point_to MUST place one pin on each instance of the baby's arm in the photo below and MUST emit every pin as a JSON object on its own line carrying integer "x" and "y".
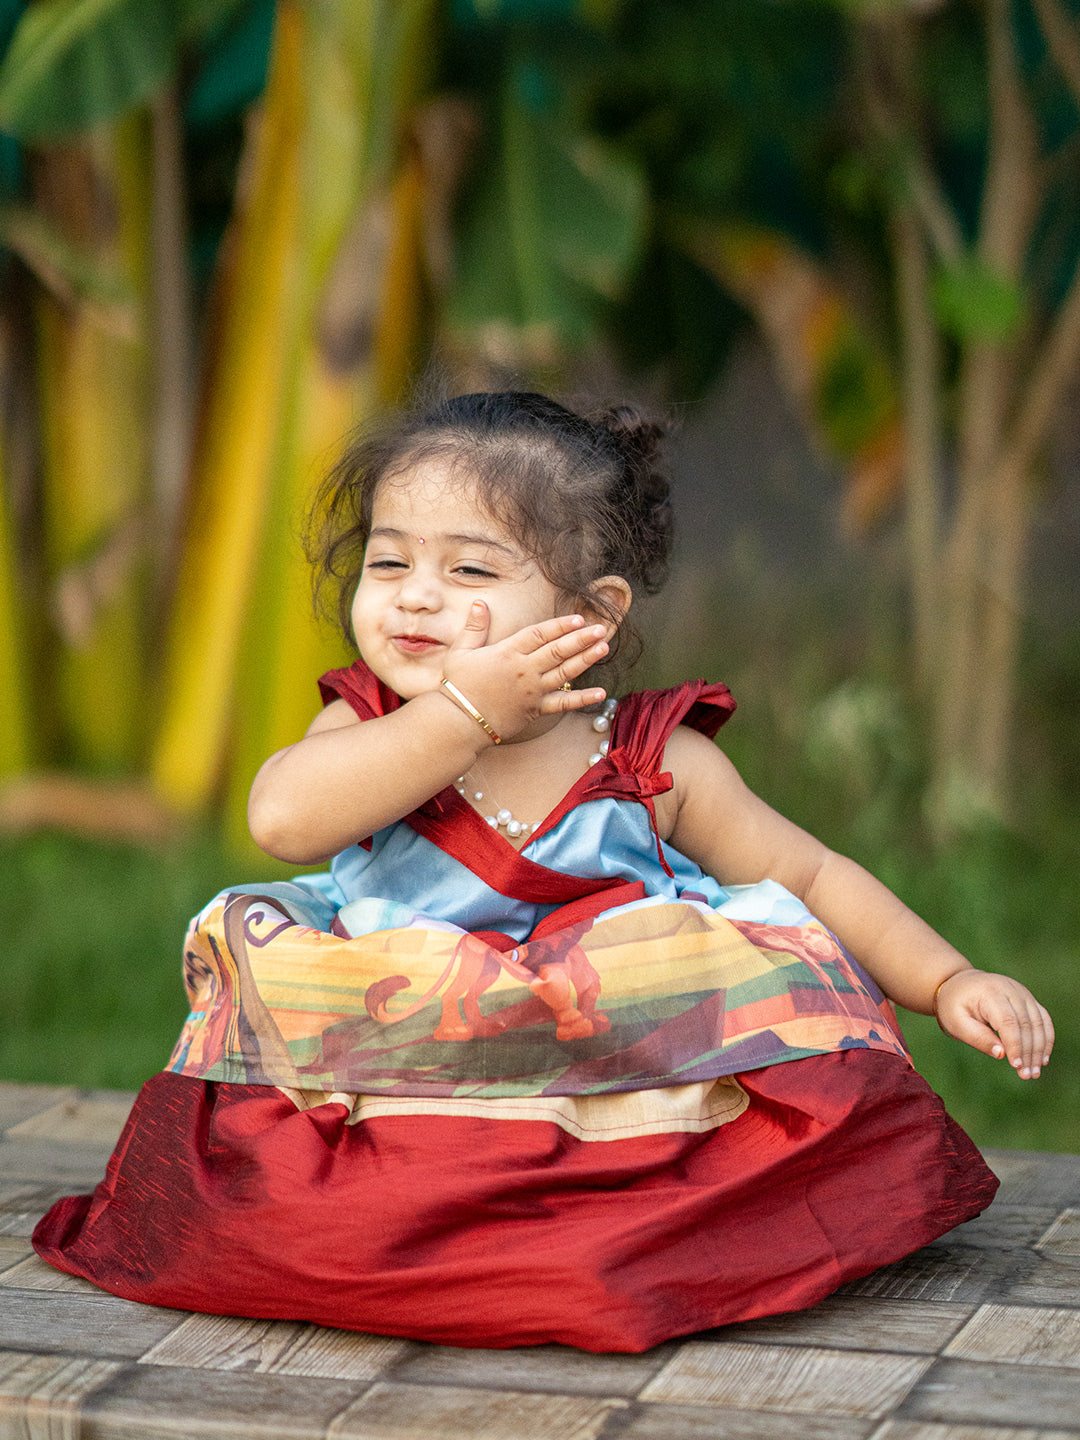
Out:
{"x": 732, "y": 834}
{"x": 344, "y": 780}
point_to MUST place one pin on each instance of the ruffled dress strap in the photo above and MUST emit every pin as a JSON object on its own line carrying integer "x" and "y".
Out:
{"x": 644, "y": 723}
{"x": 361, "y": 688}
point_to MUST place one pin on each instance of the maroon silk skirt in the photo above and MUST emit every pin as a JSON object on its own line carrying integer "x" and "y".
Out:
{"x": 468, "y": 1230}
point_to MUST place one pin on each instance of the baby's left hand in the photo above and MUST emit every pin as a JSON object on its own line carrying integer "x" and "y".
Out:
{"x": 999, "y": 1016}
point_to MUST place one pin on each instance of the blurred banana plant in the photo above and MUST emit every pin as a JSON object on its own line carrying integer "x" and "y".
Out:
{"x": 324, "y": 306}
{"x": 71, "y": 75}
{"x": 328, "y": 201}
{"x": 242, "y": 397}
{"x": 93, "y": 398}
{"x": 350, "y": 342}
{"x": 554, "y": 219}
{"x": 358, "y": 197}
{"x": 299, "y": 362}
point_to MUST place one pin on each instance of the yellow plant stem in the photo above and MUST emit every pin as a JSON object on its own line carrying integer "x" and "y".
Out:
{"x": 288, "y": 648}
{"x": 235, "y": 447}
{"x": 92, "y": 389}
{"x": 313, "y": 335}
{"x": 330, "y": 385}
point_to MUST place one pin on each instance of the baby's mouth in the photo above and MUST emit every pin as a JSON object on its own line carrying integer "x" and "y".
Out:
{"x": 416, "y": 644}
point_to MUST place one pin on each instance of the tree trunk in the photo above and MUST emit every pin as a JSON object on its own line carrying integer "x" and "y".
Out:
{"x": 977, "y": 675}
{"x": 920, "y": 363}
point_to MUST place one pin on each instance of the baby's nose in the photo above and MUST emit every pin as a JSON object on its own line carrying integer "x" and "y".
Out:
{"x": 419, "y": 591}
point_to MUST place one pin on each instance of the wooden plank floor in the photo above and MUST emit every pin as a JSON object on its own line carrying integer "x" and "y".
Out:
{"x": 976, "y": 1337}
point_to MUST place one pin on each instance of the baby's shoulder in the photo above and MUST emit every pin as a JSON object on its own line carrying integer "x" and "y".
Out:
{"x": 700, "y": 774}
{"x": 691, "y": 755}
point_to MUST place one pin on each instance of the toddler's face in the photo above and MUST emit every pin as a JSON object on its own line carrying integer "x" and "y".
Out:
{"x": 433, "y": 550}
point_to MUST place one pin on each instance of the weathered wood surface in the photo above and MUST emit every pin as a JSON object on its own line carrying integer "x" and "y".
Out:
{"x": 977, "y": 1337}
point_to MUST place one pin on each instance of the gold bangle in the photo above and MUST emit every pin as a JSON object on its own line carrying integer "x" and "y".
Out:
{"x": 469, "y": 708}
{"x": 937, "y": 992}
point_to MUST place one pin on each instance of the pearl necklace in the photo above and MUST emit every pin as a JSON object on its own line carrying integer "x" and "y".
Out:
{"x": 503, "y": 819}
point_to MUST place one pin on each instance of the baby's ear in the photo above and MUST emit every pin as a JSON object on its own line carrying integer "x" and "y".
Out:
{"x": 614, "y": 596}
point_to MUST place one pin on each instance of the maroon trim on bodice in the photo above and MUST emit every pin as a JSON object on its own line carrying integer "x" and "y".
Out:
{"x": 642, "y": 726}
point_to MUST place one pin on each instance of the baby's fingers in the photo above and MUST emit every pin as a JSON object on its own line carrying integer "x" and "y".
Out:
{"x": 569, "y": 654}
{"x": 999, "y": 1016}
{"x": 1027, "y": 1038}
{"x": 567, "y": 668}
{"x": 1026, "y": 1035}
{"x": 570, "y": 630}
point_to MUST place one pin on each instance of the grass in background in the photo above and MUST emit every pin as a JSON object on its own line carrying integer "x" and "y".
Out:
{"x": 90, "y": 986}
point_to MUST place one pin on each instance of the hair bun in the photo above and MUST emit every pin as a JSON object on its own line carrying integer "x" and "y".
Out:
{"x": 639, "y": 441}
{"x": 638, "y": 437}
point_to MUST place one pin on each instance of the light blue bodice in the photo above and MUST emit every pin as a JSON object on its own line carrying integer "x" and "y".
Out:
{"x": 604, "y": 837}
{"x": 600, "y": 838}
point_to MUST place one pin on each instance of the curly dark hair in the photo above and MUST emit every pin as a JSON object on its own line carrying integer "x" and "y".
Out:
{"x": 584, "y": 494}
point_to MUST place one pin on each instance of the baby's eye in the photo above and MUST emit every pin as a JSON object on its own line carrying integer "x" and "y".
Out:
{"x": 386, "y": 565}
{"x": 475, "y": 572}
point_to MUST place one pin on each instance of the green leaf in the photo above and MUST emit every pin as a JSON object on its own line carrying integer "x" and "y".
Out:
{"x": 554, "y": 227}
{"x": 972, "y": 302}
{"x": 232, "y": 72}
{"x": 198, "y": 17}
{"x": 72, "y": 64}
{"x": 469, "y": 12}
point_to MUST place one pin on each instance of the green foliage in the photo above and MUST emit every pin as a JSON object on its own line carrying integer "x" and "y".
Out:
{"x": 72, "y": 64}
{"x": 231, "y": 61}
{"x": 726, "y": 106}
{"x": 63, "y": 267}
{"x": 674, "y": 315}
{"x": 951, "y": 73}
{"x": 553, "y": 223}
{"x": 855, "y": 392}
{"x": 974, "y": 303}
{"x": 470, "y": 13}
{"x": 726, "y": 103}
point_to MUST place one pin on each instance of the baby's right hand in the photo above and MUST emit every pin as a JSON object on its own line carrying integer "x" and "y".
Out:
{"x": 517, "y": 679}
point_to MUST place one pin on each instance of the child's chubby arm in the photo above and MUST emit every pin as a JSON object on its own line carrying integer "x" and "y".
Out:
{"x": 346, "y": 779}
{"x": 712, "y": 817}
